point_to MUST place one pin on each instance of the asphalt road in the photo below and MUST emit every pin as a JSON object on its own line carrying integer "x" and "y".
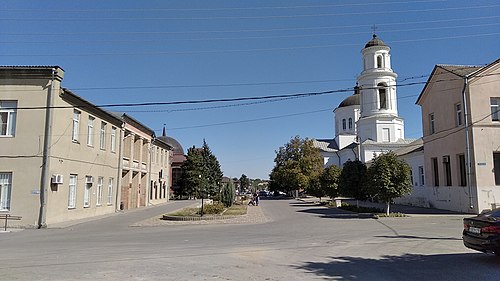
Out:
{"x": 300, "y": 242}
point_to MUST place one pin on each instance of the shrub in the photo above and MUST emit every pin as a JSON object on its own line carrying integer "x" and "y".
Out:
{"x": 212, "y": 209}
{"x": 360, "y": 209}
{"x": 228, "y": 194}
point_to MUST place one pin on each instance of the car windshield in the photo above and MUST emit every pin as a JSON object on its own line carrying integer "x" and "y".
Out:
{"x": 495, "y": 213}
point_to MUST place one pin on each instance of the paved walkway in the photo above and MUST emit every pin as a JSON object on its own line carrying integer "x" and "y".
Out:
{"x": 254, "y": 216}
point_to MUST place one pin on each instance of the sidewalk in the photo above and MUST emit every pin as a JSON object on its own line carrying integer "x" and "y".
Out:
{"x": 394, "y": 208}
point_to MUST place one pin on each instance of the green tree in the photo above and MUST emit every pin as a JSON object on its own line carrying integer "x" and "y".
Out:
{"x": 352, "y": 178}
{"x": 228, "y": 194}
{"x": 213, "y": 173}
{"x": 191, "y": 182}
{"x": 298, "y": 165}
{"x": 244, "y": 182}
{"x": 388, "y": 178}
{"x": 329, "y": 181}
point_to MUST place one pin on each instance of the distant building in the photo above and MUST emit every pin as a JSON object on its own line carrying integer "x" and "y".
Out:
{"x": 461, "y": 128}
{"x": 367, "y": 123}
{"x": 176, "y": 159}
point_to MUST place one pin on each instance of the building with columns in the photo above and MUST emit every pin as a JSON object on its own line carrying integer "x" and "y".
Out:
{"x": 367, "y": 122}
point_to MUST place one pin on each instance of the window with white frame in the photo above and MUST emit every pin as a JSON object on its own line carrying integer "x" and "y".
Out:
{"x": 102, "y": 139}
{"x": 432, "y": 128}
{"x": 421, "y": 175}
{"x": 344, "y": 126}
{"x": 5, "y": 191}
{"x": 495, "y": 107}
{"x": 8, "y": 118}
{"x": 72, "y": 191}
{"x": 87, "y": 192}
{"x": 350, "y": 123}
{"x": 76, "y": 125}
{"x": 100, "y": 183}
{"x": 90, "y": 131}
{"x": 113, "y": 139}
{"x": 110, "y": 191}
{"x": 458, "y": 114}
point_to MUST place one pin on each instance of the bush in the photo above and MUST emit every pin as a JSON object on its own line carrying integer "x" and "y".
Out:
{"x": 360, "y": 209}
{"x": 212, "y": 209}
{"x": 228, "y": 194}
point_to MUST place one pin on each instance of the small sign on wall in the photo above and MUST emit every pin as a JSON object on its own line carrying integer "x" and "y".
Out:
{"x": 35, "y": 192}
{"x": 481, "y": 164}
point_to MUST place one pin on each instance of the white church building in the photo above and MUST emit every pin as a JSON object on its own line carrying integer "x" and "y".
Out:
{"x": 367, "y": 122}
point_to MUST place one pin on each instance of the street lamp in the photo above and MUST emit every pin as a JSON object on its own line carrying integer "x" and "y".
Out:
{"x": 201, "y": 191}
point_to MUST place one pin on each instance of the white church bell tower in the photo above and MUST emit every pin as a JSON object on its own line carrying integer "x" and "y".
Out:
{"x": 379, "y": 119}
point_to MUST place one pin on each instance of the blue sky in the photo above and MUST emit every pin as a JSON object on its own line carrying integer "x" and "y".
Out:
{"x": 118, "y": 52}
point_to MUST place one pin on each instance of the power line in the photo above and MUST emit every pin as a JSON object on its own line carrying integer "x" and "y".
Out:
{"x": 250, "y": 30}
{"x": 378, "y": 12}
{"x": 135, "y": 41}
{"x": 222, "y": 8}
{"x": 241, "y": 50}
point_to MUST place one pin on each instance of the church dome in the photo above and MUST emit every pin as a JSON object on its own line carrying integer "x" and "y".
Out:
{"x": 350, "y": 100}
{"x": 177, "y": 147}
{"x": 375, "y": 42}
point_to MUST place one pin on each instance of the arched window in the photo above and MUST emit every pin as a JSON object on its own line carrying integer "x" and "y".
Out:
{"x": 380, "y": 61}
{"x": 382, "y": 96}
{"x": 343, "y": 124}
{"x": 350, "y": 123}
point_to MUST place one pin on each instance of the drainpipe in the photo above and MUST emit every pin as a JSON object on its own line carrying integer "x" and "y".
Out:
{"x": 120, "y": 170}
{"x": 467, "y": 142}
{"x": 44, "y": 178}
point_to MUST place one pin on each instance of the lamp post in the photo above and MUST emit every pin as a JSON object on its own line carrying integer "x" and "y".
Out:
{"x": 201, "y": 191}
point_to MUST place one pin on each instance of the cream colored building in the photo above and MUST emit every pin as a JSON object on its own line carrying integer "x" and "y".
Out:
{"x": 63, "y": 158}
{"x": 146, "y": 165}
{"x": 59, "y": 154}
{"x": 456, "y": 100}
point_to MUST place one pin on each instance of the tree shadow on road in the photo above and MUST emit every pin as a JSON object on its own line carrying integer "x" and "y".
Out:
{"x": 334, "y": 213}
{"x": 408, "y": 267}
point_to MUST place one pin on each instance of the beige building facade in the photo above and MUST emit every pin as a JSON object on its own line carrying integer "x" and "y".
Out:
{"x": 461, "y": 134}
{"x": 63, "y": 158}
{"x": 59, "y": 154}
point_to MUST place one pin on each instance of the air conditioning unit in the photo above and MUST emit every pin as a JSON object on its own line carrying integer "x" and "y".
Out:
{"x": 89, "y": 179}
{"x": 446, "y": 159}
{"x": 57, "y": 179}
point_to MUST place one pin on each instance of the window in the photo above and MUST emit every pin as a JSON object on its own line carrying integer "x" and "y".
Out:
{"x": 8, "y": 118}
{"x": 90, "y": 131}
{"x": 113, "y": 139}
{"x": 72, "y": 191}
{"x": 447, "y": 169}
{"x": 495, "y": 107}
{"x": 100, "y": 183}
{"x": 435, "y": 171}
{"x": 458, "y": 113}
{"x": 5, "y": 190}
{"x": 411, "y": 177}
{"x": 432, "y": 129}
{"x": 343, "y": 124}
{"x": 380, "y": 61}
{"x": 496, "y": 167}
{"x": 421, "y": 175}
{"x": 462, "y": 170}
{"x": 350, "y": 123}
{"x": 76, "y": 126}
{"x": 386, "y": 135}
{"x": 86, "y": 195}
{"x": 102, "y": 139}
{"x": 110, "y": 191}
{"x": 382, "y": 95}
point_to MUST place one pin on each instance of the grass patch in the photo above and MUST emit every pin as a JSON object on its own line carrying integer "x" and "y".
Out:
{"x": 235, "y": 210}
